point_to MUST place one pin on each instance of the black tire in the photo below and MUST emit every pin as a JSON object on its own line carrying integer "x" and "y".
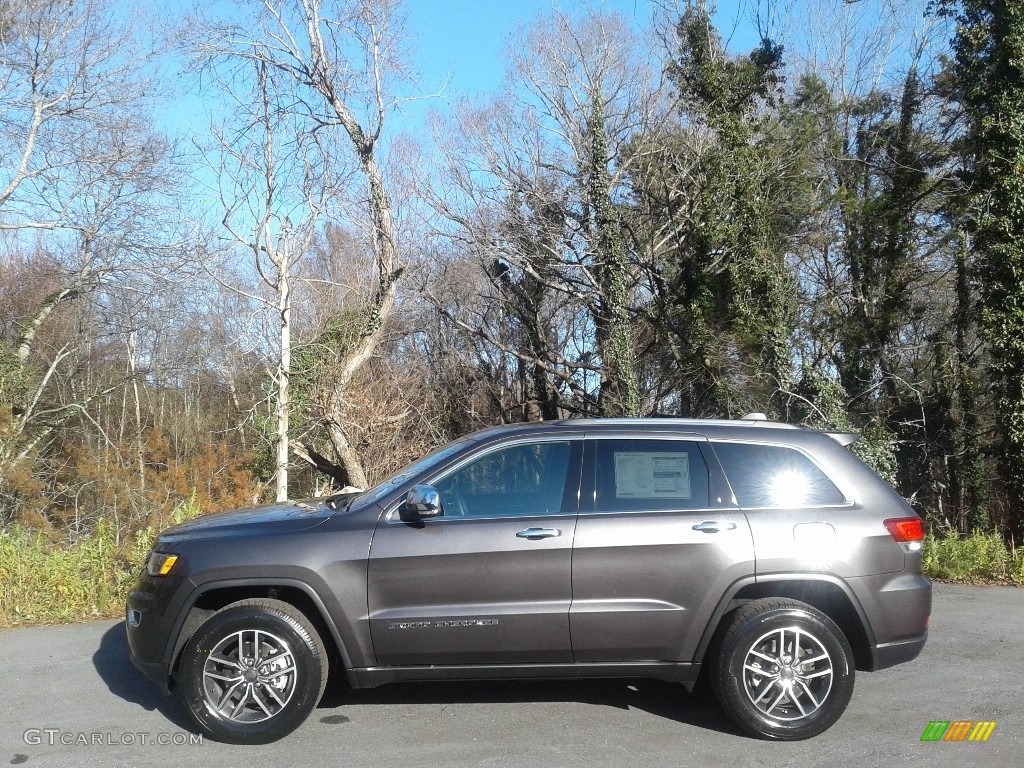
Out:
{"x": 259, "y": 704}
{"x": 787, "y": 701}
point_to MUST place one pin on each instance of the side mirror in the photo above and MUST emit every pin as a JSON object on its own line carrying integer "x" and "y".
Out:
{"x": 421, "y": 501}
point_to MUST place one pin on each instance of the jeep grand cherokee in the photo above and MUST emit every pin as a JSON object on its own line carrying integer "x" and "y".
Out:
{"x": 765, "y": 555}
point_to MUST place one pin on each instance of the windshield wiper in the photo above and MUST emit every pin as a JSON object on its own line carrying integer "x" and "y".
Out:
{"x": 332, "y": 502}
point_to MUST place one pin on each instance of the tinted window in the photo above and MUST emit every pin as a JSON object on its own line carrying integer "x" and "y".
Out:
{"x": 420, "y": 466}
{"x": 772, "y": 476}
{"x": 525, "y": 479}
{"x": 638, "y": 475}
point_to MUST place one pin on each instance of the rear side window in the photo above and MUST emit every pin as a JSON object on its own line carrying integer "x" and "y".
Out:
{"x": 649, "y": 475}
{"x": 773, "y": 476}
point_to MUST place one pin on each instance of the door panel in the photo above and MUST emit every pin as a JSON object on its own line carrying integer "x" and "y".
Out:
{"x": 645, "y": 580}
{"x": 490, "y": 581}
{"x": 471, "y": 592}
{"x": 641, "y": 580}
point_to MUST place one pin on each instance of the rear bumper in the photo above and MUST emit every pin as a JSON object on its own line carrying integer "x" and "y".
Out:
{"x": 891, "y": 654}
{"x": 897, "y": 608}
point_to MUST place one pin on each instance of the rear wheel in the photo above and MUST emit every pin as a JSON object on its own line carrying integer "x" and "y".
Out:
{"x": 253, "y": 672}
{"x": 782, "y": 670}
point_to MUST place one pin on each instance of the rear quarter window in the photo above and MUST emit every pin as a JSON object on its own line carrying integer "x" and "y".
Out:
{"x": 775, "y": 476}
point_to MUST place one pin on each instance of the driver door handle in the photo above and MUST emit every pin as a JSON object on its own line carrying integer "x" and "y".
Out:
{"x": 538, "y": 533}
{"x": 713, "y": 526}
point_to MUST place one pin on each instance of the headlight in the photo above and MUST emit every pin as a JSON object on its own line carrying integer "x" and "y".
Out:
{"x": 160, "y": 563}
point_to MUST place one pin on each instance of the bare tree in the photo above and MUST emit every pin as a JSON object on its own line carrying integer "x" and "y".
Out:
{"x": 85, "y": 186}
{"x": 537, "y": 177}
{"x": 66, "y": 76}
{"x": 274, "y": 181}
{"x": 342, "y": 59}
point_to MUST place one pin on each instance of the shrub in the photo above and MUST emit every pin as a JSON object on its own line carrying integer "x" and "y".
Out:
{"x": 45, "y": 583}
{"x": 979, "y": 557}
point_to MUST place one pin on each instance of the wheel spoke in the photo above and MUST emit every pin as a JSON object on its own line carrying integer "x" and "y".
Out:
{"x": 775, "y": 703}
{"x": 270, "y": 689}
{"x": 795, "y": 698}
{"x": 227, "y": 695}
{"x": 813, "y": 675}
{"x": 215, "y": 676}
{"x": 241, "y": 702}
{"x": 274, "y": 656}
{"x": 234, "y": 685}
{"x": 764, "y": 691}
{"x": 258, "y": 700}
{"x": 766, "y": 657}
{"x": 276, "y": 673}
{"x": 810, "y": 695}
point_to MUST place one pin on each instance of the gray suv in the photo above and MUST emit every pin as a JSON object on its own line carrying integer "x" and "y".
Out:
{"x": 766, "y": 556}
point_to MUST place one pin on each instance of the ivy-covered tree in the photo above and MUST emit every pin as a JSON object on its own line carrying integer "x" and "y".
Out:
{"x": 989, "y": 69}
{"x": 887, "y": 171}
{"x": 715, "y": 203}
{"x": 620, "y": 389}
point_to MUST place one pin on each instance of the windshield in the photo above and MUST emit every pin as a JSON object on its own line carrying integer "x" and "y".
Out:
{"x": 417, "y": 467}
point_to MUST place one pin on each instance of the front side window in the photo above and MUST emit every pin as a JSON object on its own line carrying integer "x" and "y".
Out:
{"x": 522, "y": 479}
{"x": 774, "y": 476}
{"x": 649, "y": 475}
{"x": 420, "y": 466}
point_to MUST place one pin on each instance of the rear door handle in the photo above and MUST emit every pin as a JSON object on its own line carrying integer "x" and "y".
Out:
{"x": 538, "y": 533}
{"x": 713, "y": 526}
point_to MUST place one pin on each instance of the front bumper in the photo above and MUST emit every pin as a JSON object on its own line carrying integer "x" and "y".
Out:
{"x": 155, "y": 671}
{"x": 150, "y": 615}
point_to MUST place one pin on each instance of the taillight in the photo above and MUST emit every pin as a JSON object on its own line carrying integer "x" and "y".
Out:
{"x": 905, "y": 529}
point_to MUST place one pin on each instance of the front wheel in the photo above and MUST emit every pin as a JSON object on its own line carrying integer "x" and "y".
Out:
{"x": 253, "y": 672}
{"x": 782, "y": 670}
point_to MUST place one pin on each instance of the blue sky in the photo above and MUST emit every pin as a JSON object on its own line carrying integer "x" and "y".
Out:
{"x": 458, "y": 42}
{"x": 467, "y": 38}
{"x": 463, "y": 42}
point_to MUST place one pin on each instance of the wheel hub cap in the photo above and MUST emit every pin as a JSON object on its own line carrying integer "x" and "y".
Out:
{"x": 787, "y": 674}
{"x": 249, "y": 676}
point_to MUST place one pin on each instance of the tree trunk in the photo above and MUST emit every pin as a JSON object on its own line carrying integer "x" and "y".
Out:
{"x": 620, "y": 389}
{"x": 284, "y": 308}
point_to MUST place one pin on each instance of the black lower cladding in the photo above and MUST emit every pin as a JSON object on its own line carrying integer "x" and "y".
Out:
{"x": 891, "y": 654}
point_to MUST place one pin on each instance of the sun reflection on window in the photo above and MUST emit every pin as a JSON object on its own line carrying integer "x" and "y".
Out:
{"x": 789, "y": 488}
{"x": 775, "y": 476}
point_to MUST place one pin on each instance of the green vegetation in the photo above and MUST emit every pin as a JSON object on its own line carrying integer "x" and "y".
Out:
{"x": 43, "y": 582}
{"x": 988, "y": 51}
{"x": 977, "y": 558}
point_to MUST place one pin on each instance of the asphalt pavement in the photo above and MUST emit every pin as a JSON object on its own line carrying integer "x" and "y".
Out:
{"x": 70, "y": 697}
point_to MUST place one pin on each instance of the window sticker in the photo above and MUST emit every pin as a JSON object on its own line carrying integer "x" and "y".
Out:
{"x": 652, "y": 475}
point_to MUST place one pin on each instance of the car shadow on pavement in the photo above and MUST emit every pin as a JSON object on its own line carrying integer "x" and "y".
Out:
{"x": 667, "y": 700}
{"x": 115, "y": 668}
